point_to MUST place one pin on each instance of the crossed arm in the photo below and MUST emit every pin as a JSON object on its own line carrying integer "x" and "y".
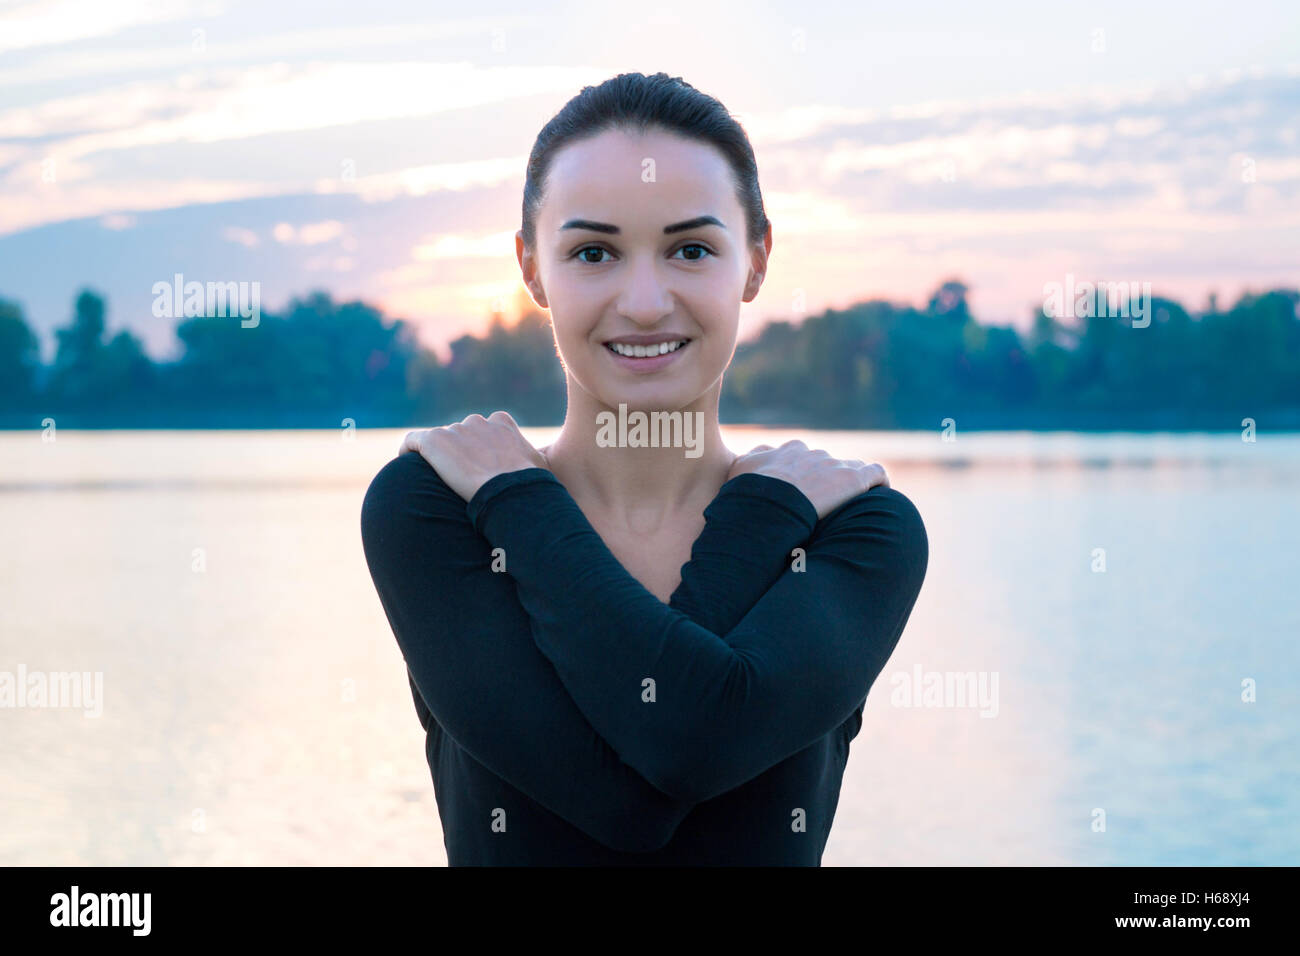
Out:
{"x": 700, "y": 708}
{"x": 538, "y": 672}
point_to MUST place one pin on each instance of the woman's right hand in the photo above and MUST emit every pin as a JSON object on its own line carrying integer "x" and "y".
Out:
{"x": 825, "y": 481}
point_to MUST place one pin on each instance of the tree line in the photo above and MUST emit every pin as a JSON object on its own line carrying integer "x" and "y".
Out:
{"x": 876, "y": 364}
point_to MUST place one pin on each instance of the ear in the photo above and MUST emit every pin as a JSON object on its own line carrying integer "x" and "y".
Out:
{"x": 758, "y": 255}
{"x": 528, "y": 268}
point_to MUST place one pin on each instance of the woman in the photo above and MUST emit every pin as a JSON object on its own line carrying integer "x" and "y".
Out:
{"x": 625, "y": 652}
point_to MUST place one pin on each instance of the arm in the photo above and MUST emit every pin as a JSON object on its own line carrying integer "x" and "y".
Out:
{"x": 728, "y": 705}
{"x": 470, "y": 656}
{"x": 750, "y": 530}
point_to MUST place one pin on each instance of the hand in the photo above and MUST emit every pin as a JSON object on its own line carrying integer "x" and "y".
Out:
{"x": 468, "y": 453}
{"x": 825, "y": 481}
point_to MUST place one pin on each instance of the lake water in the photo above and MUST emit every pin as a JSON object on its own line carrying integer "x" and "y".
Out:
{"x": 255, "y": 708}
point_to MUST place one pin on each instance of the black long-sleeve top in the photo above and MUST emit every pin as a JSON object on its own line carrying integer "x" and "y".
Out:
{"x": 573, "y": 718}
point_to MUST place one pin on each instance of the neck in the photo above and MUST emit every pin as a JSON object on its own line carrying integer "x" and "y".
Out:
{"x": 640, "y": 486}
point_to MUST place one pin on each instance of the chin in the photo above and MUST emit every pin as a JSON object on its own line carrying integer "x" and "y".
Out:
{"x": 663, "y": 399}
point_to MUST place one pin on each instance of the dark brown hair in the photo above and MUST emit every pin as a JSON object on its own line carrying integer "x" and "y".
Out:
{"x": 636, "y": 102}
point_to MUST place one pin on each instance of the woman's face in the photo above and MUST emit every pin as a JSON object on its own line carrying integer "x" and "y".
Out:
{"x": 624, "y": 256}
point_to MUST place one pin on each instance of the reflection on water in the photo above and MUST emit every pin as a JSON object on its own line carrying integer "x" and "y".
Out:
{"x": 256, "y": 709}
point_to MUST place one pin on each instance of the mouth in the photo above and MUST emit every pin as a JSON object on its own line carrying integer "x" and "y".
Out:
{"x": 645, "y": 356}
{"x": 646, "y": 351}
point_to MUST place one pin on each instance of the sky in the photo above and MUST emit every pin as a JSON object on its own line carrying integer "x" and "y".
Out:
{"x": 377, "y": 150}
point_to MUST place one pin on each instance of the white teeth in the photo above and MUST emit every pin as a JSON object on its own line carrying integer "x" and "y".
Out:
{"x": 645, "y": 351}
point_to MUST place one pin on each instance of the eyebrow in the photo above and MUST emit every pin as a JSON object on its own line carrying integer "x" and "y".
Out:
{"x": 668, "y": 230}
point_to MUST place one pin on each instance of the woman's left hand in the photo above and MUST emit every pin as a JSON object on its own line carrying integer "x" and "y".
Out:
{"x": 469, "y": 453}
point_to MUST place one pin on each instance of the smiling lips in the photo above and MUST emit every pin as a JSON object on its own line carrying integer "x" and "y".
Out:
{"x": 645, "y": 351}
{"x": 646, "y": 345}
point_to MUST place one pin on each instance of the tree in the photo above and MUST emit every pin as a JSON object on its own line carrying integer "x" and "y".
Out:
{"x": 19, "y": 358}
{"x": 92, "y": 375}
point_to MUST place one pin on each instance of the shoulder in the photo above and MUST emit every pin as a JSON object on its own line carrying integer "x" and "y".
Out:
{"x": 881, "y": 517}
{"x": 404, "y": 491}
{"x": 891, "y": 501}
{"x": 415, "y": 535}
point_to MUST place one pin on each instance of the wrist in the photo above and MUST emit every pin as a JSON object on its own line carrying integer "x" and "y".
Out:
{"x": 499, "y": 484}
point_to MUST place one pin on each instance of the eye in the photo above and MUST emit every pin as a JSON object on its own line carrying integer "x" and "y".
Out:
{"x": 585, "y": 249}
{"x": 695, "y": 245}
{"x": 697, "y": 257}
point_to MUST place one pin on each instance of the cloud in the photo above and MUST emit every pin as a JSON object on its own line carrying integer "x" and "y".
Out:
{"x": 422, "y": 180}
{"x": 104, "y": 62}
{"x": 123, "y": 127}
{"x": 232, "y": 104}
{"x": 245, "y": 237}
{"x": 116, "y": 222}
{"x": 309, "y": 234}
{"x": 495, "y": 246}
{"x": 29, "y": 202}
{"x": 57, "y": 22}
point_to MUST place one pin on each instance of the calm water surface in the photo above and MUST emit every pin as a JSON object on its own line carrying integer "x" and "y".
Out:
{"x": 255, "y": 706}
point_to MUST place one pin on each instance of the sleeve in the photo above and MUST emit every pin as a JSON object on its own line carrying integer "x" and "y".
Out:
{"x": 473, "y": 663}
{"x": 697, "y": 711}
{"x": 751, "y": 529}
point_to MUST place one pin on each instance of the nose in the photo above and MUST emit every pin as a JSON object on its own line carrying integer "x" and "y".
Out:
{"x": 644, "y": 300}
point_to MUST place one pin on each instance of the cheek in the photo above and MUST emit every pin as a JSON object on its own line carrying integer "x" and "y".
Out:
{"x": 720, "y": 349}
{"x": 718, "y": 300}
{"x": 719, "y": 315}
{"x": 574, "y": 342}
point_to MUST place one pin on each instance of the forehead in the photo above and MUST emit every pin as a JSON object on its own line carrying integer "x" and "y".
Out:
{"x": 618, "y": 175}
